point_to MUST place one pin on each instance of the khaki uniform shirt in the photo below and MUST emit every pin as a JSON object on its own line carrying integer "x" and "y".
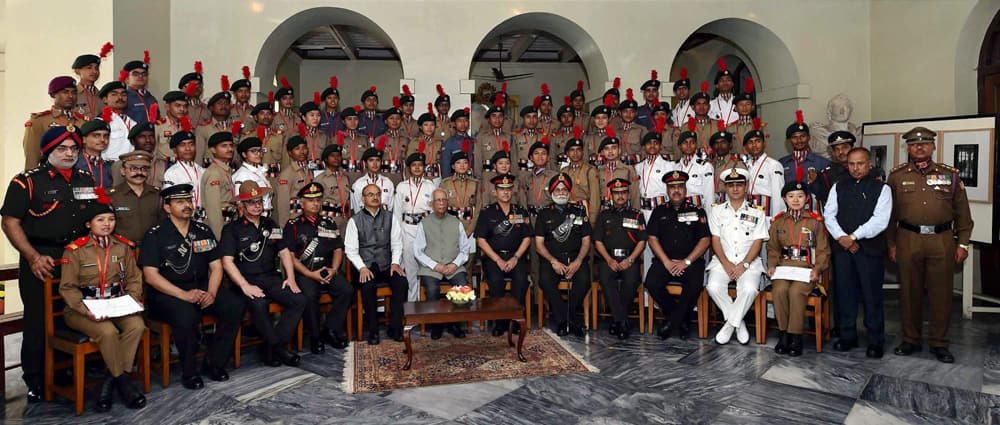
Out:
{"x": 38, "y": 124}
{"x": 136, "y": 213}
{"x": 934, "y": 197}
{"x": 81, "y": 277}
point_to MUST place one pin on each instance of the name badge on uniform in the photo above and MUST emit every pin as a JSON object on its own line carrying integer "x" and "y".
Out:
{"x": 630, "y": 223}
{"x": 327, "y": 233}
{"x": 83, "y": 193}
{"x": 203, "y": 245}
{"x": 618, "y": 252}
{"x": 908, "y": 183}
{"x": 275, "y": 233}
{"x": 123, "y": 209}
{"x": 748, "y": 218}
{"x": 688, "y": 217}
{"x": 938, "y": 179}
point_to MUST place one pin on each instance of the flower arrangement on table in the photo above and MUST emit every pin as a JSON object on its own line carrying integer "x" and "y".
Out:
{"x": 460, "y": 295}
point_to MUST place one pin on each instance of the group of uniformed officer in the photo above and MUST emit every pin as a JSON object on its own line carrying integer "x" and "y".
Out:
{"x": 222, "y": 188}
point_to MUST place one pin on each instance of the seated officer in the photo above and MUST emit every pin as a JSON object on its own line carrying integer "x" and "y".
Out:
{"x": 318, "y": 252}
{"x": 443, "y": 255}
{"x": 249, "y": 247}
{"x": 678, "y": 237}
{"x": 562, "y": 238}
{"x": 115, "y": 275}
{"x": 503, "y": 234}
{"x": 619, "y": 238}
{"x": 739, "y": 230}
{"x": 181, "y": 265}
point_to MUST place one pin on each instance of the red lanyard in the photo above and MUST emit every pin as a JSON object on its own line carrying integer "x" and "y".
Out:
{"x": 313, "y": 142}
{"x": 102, "y": 267}
{"x": 790, "y": 223}
{"x": 413, "y": 197}
{"x": 645, "y": 176}
{"x": 142, "y": 99}
{"x": 465, "y": 189}
{"x": 86, "y": 158}
{"x": 756, "y": 173}
{"x": 729, "y": 113}
{"x": 196, "y": 181}
{"x": 91, "y": 99}
{"x": 340, "y": 190}
{"x": 538, "y": 193}
{"x": 307, "y": 176}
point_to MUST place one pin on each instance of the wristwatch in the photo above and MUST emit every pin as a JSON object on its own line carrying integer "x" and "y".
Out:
{"x": 853, "y": 238}
{"x": 964, "y": 246}
{"x": 746, "y": 265}
{"x": 517, "y": 257}
{"x": 687, "y": 262}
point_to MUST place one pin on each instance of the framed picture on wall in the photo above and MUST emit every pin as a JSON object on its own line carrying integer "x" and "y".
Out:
{"x": 971, "y": 152}
{"x": 883, "y": 149}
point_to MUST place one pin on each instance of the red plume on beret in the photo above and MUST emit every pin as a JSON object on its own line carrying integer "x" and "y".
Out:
{"x": 656, "y": 102}
{"x": 105, "y": 49}
{"x": 704, "y": 86}
{"x": 422, "y": 146}
{"x": 372, "y": 89}
{"x": 629, "y": 95}
{"x": 237, "y": 126}
{"x": 577, "y": 132}
{"x": 748, "y": 85}
{"x": 333, "y": 82}
{"x": 145, "y": 57}
{"x": 653, "y": 75}
{"x": 798, "y": 117}
{"x": 357, "y": 108}
{"x": 270, "y": 97}
{"x": 122, "y": 76}
{"x": 190, "y": 87}
{"x": 579, "y": 85}
{"x": 617, "y": 83}
{"x": 261, "y": 132}
{"x": 395, "y": 102}
{"x": 609, "y": 100}
{"x": 467, "y": 110}
{"x": 503, "y": 88}
{"x": 284, "y": 83}
{"x": 610, "y": 131}
{"x": 406, "y": 90}
{"x": 537, "y": 102}
{"x": 430, "y": 108}
{"x": 382, "y": 141}
{"x": 225, "y": 82}
{"x": 506, "y": 146}
{"x": 757, "y": 124}
{"x": 684, "y": 73}
{"x": 106, "y": 114}
{"x": 498, "y": 101}
{"x": 465, "y": 146}
{"x": 722, "y": 65}
{"x": 691, "y": 125}
{"x": 186, "y": 123}
{"x": 440, "y": 90}
{"x": 545, "y": 89}
{"x": 340, "y": 138}
{"x": 721, "y": 125}
{"x": 102, "y": 196}
{"x": 661, "y": 122}
{"x": 566, "y": 100}
{"x": 316, "y": 98}
{"x": 545, "y": 140}
{"x": 197, "y": 67}
{"x": 154, "y": 111}
{"x": 302, "y": 129}
{"x": 246, "y": 72}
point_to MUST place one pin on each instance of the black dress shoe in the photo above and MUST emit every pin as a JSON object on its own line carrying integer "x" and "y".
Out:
{"x": 316, "y": 345}
{"x": 498, "y": 331}
{"x": 613, "y": 329}
{"x": 104, "y": 399}
{"x": 395, "y": 333}
{"x": 130, "y": 393}
{"x": 576, "y": 330}
{"x": 373, "y": 338}
{"x": 35, "y": 396}
{"x": 794, "y": 345}
{"x": 943, "y": 355}
{"x": 267, "y": 357}
{"x": 337, "y": 341}
{"x": 874, "y": 352}
{"x": 217, "y": 374}
{"x": 782, "y": 346}
{"x": 562, "y": 329}
{"x": 624, "y": 331}
{"x": 665, "y": 331}
{"x": 437, "y": 331}
{"x": 193, "y": 382}
{"x": 905, "y": 349}
{"x": 684, "y": 331}
{"x": 284, "y": 356}
{"x": 456, "y": 330}
{"x": 845, "y": 344}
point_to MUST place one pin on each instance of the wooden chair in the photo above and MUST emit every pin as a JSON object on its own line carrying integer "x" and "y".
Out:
{"x": 382, "y": 292}
{"x": 484, "y": 291}
{"x": 712, "y": 310}
{"x": 817, "y": 307}
{"x": 563, "y": 286}
{"x": 675, "y": 289}
{"x": 79, "y": 346}
{"x": 596, "y": 293}
{"x": 164, "y": 332}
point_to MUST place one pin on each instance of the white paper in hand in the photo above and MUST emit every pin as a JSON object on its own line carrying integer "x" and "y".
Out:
{"x": 114, "y": 307}
{"x": 797, "y": 274}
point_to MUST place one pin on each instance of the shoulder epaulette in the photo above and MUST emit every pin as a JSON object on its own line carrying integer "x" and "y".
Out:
{"x": 124, "y": 240}
{"x": 948, "y": 167}
{"x": 899, "y": 167}
{"x": 717, "y": 204}
{"x": 77, "y": 244}
{"x": 781, "y": 214}
{"x": 816, "y": 215}
{"x": 82, "y": 171}
{"x": 201, "y": 226}
{"x": 40, "y": 114}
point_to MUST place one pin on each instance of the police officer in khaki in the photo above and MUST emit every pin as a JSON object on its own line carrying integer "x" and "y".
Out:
{"x": 136, "y": 203}
{"x": 217, "y": 189}
{"x": 101, "y": 266}
{"x": 928, "y": 236}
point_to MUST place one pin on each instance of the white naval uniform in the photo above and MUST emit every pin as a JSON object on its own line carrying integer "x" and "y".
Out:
{"x": 258, "y": 173}
{"x": 701, "y": 182}
{"x": 723, "y": 110}
{"x": 118, "y": 143}
{"x": 383, "y": 182}
{"x": 738, "y": 229}
{"x": 767, "y": 177}
{"x": 189, "y": 173}
{"x": 652, "y": 193}
{"x": 682, "y": 110}
{"x": 412, "y": 199}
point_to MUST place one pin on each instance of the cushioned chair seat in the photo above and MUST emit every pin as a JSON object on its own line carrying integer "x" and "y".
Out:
{"x": 71, "y": 336}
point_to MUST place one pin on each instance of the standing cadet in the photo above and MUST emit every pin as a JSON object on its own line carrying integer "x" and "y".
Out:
{"x": 394, "y": 142}
{"x": 432, "y": 148}
{"x": 458, "y": 140}
{"x": 652, "y": 187}
{"x": 182, "y": 266}
{"x": 88, "y": 68}
{"x": 501, "y": 165}
{"x": 95, "y": 141}
{"x": 330, "y": 110}
{"x": 802, "y": 165}
{"x": 177, "y": 109}
{"x": 616, "y": 96}
{"x": 41, "y": 215}
{"x": 285, "y": 118}
{"x": 353, "y": 144}
{"x": 840, "y": 142}
{"x": 241, "y": 110}
{"x": 577, "y": 102}
{"x": 619, "y": 238}
{"x": 651, "y": 94}
{"x": 318, "y": 251}
{"x": 562, "y": 238}
{"x": 704, "y": 124}
{"x": 217, "y": 190}
{"x": 292, "y": 178}
{"x": 442, "y": 104}
{"x": 373, "y": 167}
{"x": 930, "y": 221}
{"x": 252, "y": 168}
{"x": 197, "y": 109}
{"x": 765, "y": 174}
{"x": 62, "y": 90}
{"x": 678, "y": 237}
{"x": 219, "y": 108}
{"x": 630, "y": 131}
{"x": 490, "y": 139}
{"x": 546, "y": 122}
{"x": 309, "y": 129}
{"x": 723, "y": 159}
{"x": 113, "y": 95}
{"x": 722, "y": 105}
{"x": 528, "y": 134}
{"x": 587, "y": 189}
{"x": 613, "y": 168}
{"x": 412, "y": 204}
{"x": 406, "y": 107}
{"x": 563, "y": 134}
{"x": 536, "y": 191}
{"x": 682, "y": 94}
{"x": 185, "y": 170}
{"x": 115, "y": 275}
{"x": 275, "y": 155}
{"x": 462, "y": 190}
{"x": 371, "y": 125}
{"x": 249, "y": 248}
{"x": 136, "y": 203}
{"x": 599, "y": 130}
{"x": 744, "y": 106}
{"x": 796, "y": 238}
{"x": 337, "y": 199}
{"x": 739, "y": 230}
{"x": 142, "y": 138}
{"x": 503, "y": 235}
{"x": 140, "y": 101}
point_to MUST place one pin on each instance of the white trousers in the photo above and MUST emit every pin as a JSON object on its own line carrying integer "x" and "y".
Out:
{"x": 747, "y": 287}
{"x": 410, "y": 264}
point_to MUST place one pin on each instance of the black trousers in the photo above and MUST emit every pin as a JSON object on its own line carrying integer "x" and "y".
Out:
{"x": 293, "y": 304}
{"x": 399, "y": 286}
{"x": 496, "y": 278}
{"x": 619, "y": 287}
{"x": 692, "y": 283}
{"x": 340, "y": 291}
{"x": 562, "y": 311}
{"x": 185, "y": 319}
{"x": 859, "y": 275}
{"x": 32, "y": 291}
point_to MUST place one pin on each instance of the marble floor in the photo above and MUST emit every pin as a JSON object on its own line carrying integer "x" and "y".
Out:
{"x": 643, "y": 380}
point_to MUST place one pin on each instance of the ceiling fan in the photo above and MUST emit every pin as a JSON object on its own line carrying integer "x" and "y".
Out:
{"x": 498, "y": 74}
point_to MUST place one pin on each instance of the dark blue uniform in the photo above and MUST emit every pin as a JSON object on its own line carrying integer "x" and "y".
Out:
{"x": 314, "y": 240}
{"x": 678, "y": 230}
{"x": 619, "y": 230}
{"x": 505, "y": 232}
{"x": 563, "y": 229}
{"x": 370, "y": 126}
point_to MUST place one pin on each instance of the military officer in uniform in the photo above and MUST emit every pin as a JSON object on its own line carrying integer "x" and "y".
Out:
{"x": 250, "y": 246}
{"x": 612, "y": 168}
{"x": 181, "y": 264}
{"x": 766, "y": 174}
{"x": 62, "y": 90}
{"x": 678, "y": 237}
{"x": 587, "y": 186}
{"x": 928, "y": 237}
{"x": 619, "y": 239}
{"x": 337, "y": 199}
{"x": 292, "y": 179}
{"x": 503, "y": 236}
{"x": 412, "y": 205}
{"x": 562, "y": 238}
{"x": 840, "y": 142}
{"x": 373, "y": 168}
{"x": 217, "y": 189}
{"x": 142, "y": 138}
{"x": 41, "y": 215}
{"x": 115, "y": 275}
{"x": 317, "y": 249}
{"x": 136, "y": 203}
{"x": 739, "y": 230}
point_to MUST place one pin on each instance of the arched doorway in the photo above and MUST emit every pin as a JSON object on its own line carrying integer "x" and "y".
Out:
{"x": 988, "y": 79}
{"x": 539, "y": 48}
{"x": 312, "y": 45}
{"x": 749, "y": 49}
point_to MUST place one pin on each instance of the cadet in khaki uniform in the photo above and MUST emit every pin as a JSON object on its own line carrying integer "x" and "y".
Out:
{"x": 527, "y": 135}
{"x": 613, "y": 168}
{"x": 744, "y": 106}
{"x": 619, "y": 239}
{"x": 577, "y": 102}
{"x": 587, "y": 188}
{"x": 444, "y": 127}
{"x": 498, "y": 100}
{"x": 337, "y": 198}
{"x": 292, "y": 178}
{"x": 546, "y": 122}
{"x": 930, "y": 211}
{"x": 561, "y": 135}
{"x": 407, "y": 105}
{"x": 704, "y": 124}
{"x": 309, "y": 129}
{"x": 463, "y": 190}
{"x": 101, "y": 265}
{"x": 62, "y": 90}
{"x": 629, "y": 131}
{"x": 723, "y": 158}
{"x": 352, "y": 143}
{"x": 219, "y": 107}
{"x": 600, "y": 117}
{"x": 395, "y": 142}
{"x": 286, "y": 119}
{"x": 136, "y": 203}
{"x": 429, "y": 145}
{"x": 241, "y": 110}
{"x": 490, "y": 139}
{"x": 217, "y": 189}
{"x": 797, "y": 238}
{"x": 176, "y": 110}
{"x": 275, "y": 157}
{"x": 501, "y": 166}
{"x": 88, "y": 68}
{"x": 197, "y": 108}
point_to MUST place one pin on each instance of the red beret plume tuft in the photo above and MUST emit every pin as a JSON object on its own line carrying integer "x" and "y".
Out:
{"x": 629, "y": 95}
{"x": 748, "y": 85}
{"x": 465, "y": 146}
{"x": 372, "y": 89}
{"x": 609, "y": 100}
{"x": 395, "y": 102}
{"x": 579, "y": 85}
{"x": 653, "y": 75}
{"x": 545, "y": 140}
{"x": 503, "y": 88}
{"x": 430, "y": 108}
{"x": 610, "y": 131}
{"x": 197, "y": 67}
{"x": 704, "y": 86}
{"x": 721, "y": 125}
{"x": 246, "y": 72}
{"x": 684, "y": 73}
{"x": 545, "y": 89}
{"x": 105, "y": 49}
{"x": 617, "y": 83}
{"x": 757, "y": 124}
{"x": 186, "y": 123}
{"x": 498, "y": 101}
{"x": 506, "y": 146}
{"x": 536, "y": 102}
{"x": 145, "y": 57}
{"x": 270, "y": 97}
{"x": 102, "y": 196}
{"x": 722, "y": 65}
{"x": 261, "y": 132}
{"x": 333, "y": 82}
{"x": 406, "y": 90}
{"x": 467, "y": 110}
{"x": 422, "y": 146}
{"x": 225, "y": 82}
{"x": 691, "y": 125}
{"x": 316, "y": 98}
{"x": 440, "y": 90}
{"x": 122, "y": 75}
{"x": 357, "y": 108}
{"x": 577, "y": 132}
{"x": 340, "y": 138}
{"x": 154, "y": 111}
{"x": 798, "y": 117}
{"x": 566, "y": 100}
{"x": 284, "y": 83}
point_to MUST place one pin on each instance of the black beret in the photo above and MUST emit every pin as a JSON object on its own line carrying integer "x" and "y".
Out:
{"x": 174, "y": 96}
{"x": 179, "y": 137}
{"x": 293, "y": 142}
{"x": 139, "y": 128}
{"x": 110, "y": 86}
{"x": 347, "y": 113}
{"x": 92, "y": 126}
{"x": 330, "y": 150}
{"x": 262, "y": 106}
{"x": 238, "y": 84}
{"x": 795, "y": 128}
{"x": 84, "y": 60}
{"x": 793, "y": 186}
{"x": 414, "y": 157}
{"x": 219, "y": 137}
{"x": 222, "y": 95}
{"x": 249, "y": 143}
{"x": 130, "y": 65}
{"x": 308, "y": 107}
{"x": 457, "y": 157}
{"x": 425, "y": 117}
{"x": 459, "y": 113}
{"x": 371, "y": 153}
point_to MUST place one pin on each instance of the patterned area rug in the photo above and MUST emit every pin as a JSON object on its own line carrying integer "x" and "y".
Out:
{"x": 478, "y": 357}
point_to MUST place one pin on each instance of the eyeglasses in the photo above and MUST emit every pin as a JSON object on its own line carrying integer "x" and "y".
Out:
{"x": 139, "y": 74}
{"x": 371, "y": 194}
{"x": 441, "y": 200}
{"x": 134, "y": 169}
{"x": 255, "y": 150}
{"x": 65, "y": 149}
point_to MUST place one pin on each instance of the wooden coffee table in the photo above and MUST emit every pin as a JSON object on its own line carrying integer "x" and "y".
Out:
{"x": 443, "y": 311}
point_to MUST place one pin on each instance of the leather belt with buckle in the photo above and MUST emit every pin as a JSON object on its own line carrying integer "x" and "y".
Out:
{"x": 926, "y": 229}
